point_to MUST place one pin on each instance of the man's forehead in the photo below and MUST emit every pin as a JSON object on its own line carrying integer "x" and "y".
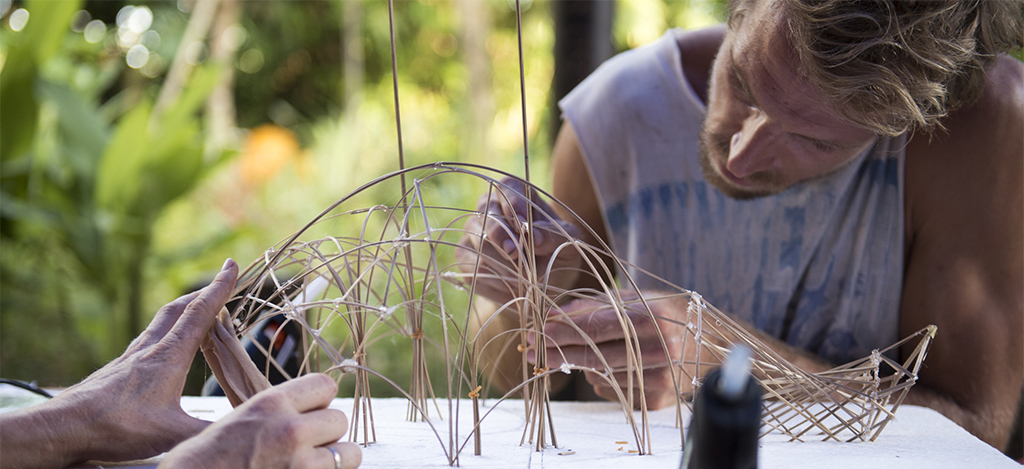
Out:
{"x": 761, "y": 41}
{"x": 762, "y": 29}
{"x": 763, "y": 12}
{"x": 761, "y": 52}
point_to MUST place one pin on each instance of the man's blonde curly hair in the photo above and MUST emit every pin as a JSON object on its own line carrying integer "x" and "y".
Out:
{"x": 894, "y": 66}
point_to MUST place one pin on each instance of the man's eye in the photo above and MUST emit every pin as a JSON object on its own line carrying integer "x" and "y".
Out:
{"x": 823, "y": 146}
{"x": 739, "y": 91}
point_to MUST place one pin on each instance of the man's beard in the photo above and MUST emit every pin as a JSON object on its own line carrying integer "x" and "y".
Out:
{"x": 711, "y": 146}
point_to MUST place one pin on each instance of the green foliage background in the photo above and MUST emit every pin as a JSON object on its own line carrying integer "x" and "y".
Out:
{"x": 110, "y": 207}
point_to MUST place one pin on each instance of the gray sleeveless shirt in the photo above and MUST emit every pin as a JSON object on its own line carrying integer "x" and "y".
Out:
{"x": 819, "y": 266}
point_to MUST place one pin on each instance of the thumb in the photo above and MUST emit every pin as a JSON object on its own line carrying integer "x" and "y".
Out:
{"x": 183, "y": 426}
{"x": 195, "y": 322}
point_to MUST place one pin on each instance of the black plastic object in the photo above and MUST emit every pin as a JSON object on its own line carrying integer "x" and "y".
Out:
{"x": 724, "y": 430}
{"x": 286, "y": 350}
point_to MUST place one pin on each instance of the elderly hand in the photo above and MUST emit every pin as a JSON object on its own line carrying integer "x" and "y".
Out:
{"x": 607, "y": 329}
{"x": 503, "y": 247}
{"x": 130, "y": 408}
{"x": 286, "y": 426}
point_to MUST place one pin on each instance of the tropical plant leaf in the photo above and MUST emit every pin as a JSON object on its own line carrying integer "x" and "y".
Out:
{"x": 194, "y": 95}
{"x": 81, "y": 125}
{"x": 19, "y": 111}
{"x": 47, "y": 25}
{"x": 41, "y": 38}
{"x": 173, "y": 167}
{"x": 118, "y": 181}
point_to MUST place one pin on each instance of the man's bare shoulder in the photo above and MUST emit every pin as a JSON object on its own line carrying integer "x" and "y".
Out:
{"x": 697, "y": 50}
{"x": 704, "y": 41}
{"x": 994, "y": 119}
{"x": 978, "y": 157}
{"x": 965, "y": 257}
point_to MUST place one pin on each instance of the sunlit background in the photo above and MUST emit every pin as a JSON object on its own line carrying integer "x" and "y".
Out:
{"x": 142, "y": 143}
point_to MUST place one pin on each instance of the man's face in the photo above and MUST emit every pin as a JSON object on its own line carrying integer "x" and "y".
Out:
{"x": 766, "y": 127}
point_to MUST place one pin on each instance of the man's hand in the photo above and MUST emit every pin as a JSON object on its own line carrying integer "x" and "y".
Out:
{"x": 130, "y": 408}
{"x": 504, "y": 245}
{"x": 286, "y": 426}
{"x": 607, "y": 329}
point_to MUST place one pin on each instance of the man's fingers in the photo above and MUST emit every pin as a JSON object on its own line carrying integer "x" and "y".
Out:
{"x": 183, "y": 426}
{"x": 309, "y": 392}
{"x": 613, "y": 353}
{"x": 515, "y": 191}
{"x": 502, "y": 236}
{"x": 508, "y": 210}
{"x": 188, "y": 332}
{"x": 491, "y": 261}
{"x": 598, "y": 320}
{"x": 658, "y": 392}
{"x": 511, "y": 204}
{"x": 164, "y": 320}
{"x": 606, "y": 391}
{"x": 347, "y": 454}
{"x": 654, "y": 379}
{"x": 498, "y": 229}
{"x": 549, "y": 235}
{"x": 320, "y": 427}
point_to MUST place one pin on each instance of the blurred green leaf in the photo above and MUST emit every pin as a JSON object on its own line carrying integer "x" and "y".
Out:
{"x": 193, "y": 96}
{"x": 173, "y": 167}
{"x": 117, "y": 179}
{"x": 152, "y": 160}
{"x": 19, "y": 111}
{"x": 15, "y": 208}
{"x": 47, "y": 25}
{"x": 41, "y": 38}
{"x": 81, "y": 125}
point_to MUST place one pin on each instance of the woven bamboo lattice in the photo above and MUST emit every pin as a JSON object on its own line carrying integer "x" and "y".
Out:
{"x": 850, "y": 402}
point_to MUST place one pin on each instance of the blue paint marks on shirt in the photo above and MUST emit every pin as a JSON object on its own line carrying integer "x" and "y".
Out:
{"x": 790, "y": 255}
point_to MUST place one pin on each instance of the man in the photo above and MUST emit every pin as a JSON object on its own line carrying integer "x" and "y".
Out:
{"x": 130, "y": 408}
{"x": 855, "y": 176}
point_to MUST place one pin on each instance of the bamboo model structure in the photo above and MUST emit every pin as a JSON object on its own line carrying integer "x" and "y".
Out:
{"x": 396, "y": 278}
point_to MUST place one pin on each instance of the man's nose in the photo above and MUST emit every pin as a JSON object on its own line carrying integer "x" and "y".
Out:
{"x": 750, "y": 149}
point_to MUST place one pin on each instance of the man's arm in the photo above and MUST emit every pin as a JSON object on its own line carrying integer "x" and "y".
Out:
{"x": 288, "y": 425}
{"x": 129, "y": 409}
{"x": 965, "y": 258}
{"x": 573, "y": 187}
{"x": 501, "y": 355}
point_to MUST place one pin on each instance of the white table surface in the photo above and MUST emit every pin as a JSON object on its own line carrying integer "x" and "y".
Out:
{"x": 918, "y": 438}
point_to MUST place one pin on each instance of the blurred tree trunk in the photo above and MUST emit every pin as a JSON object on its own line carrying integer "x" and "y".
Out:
{"x": 352, "y": 53}
{"x": 353, "y": 64}
{"x": 138, "y": 248}
{"x": 198, "y": 26}
{"x": 476, "y": 26}
{"x": 220, "y": 107}
{"x": 583, "y": 40}
{"x": 138, "y": 238}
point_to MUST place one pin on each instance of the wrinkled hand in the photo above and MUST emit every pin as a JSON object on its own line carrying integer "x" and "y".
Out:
{"x": 286, "y": 426}
{"x": 503, "y": 247}
{"x": 130, "y": 408}
{"x": 608, "y": 331}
